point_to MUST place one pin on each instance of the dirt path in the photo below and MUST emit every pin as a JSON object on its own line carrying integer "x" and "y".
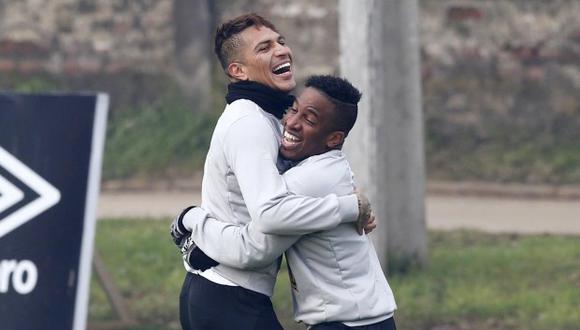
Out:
{"x": 505, "y": 215}
{"x": 145, "y": 204}
{"x": 502, "y": 215}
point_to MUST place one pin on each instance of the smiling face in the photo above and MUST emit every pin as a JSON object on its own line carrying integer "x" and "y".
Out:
{"x": 264, "y": 58}
{"x": 308, "y": 126}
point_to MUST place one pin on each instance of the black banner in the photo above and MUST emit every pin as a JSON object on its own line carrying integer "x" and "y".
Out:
{"x": 50, "y": 160}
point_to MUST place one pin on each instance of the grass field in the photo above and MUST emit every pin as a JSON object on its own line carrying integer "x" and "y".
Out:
{"x": 472, "y": 281}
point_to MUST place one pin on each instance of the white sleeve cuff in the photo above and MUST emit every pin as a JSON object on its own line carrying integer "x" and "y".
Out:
{"x": 192, "y": 216}
{"x": 348, "y": 208}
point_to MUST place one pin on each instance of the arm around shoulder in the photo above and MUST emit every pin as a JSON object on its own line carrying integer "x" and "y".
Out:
{"x": 251, "y": 149}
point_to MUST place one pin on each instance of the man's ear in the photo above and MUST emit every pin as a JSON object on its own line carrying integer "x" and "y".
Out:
{"x": 335, "y": 139}
{"x": 237, "y": 71}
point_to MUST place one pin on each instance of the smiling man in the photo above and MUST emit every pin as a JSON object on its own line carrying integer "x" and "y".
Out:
{"x": 337, "y": 281}
{"x": 308, "y": 128}
{"x": 242, "y": 184}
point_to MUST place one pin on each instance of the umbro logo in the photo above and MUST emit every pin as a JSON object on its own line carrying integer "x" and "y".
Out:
{"x": 15, "y": 210}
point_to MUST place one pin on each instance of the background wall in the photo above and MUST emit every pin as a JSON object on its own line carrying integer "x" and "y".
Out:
{"x": 73, "y": 37}
{"x": 499, "y": 77}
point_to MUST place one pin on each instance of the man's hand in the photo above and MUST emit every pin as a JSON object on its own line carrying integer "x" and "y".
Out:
{"x": 190, "y": 253}
{"x": 371, "y": 225}
{"x": 366, "y": 220}
{"x": 195, "y": 257}
{"x": 177, "y": 230}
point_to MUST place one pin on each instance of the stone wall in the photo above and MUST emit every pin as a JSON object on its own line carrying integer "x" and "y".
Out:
{"x": 521, "y": 39}
{"x": 501, "y": 81}
{"x": 522, "y": 45}
{"x": 76, "y": 37}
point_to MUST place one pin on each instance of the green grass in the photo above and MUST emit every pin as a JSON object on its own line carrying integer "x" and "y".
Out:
{"x": 480, "y": 127}
{"x": 478, "y": 281}
{"x": 166, "y": 138}
{"x": 153, "y": 129}
{"x": 146, "y": 268}
{"x": 530, "y": 162}
{"x": 472, "y": 280}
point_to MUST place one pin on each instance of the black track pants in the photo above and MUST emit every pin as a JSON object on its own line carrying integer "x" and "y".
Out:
{"x": 205, "y": 305}
{"x": 388, "y": 324}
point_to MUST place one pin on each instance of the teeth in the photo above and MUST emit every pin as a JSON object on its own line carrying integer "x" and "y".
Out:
{"x": 290, "y": 137}
{"x": 281, "y": 66}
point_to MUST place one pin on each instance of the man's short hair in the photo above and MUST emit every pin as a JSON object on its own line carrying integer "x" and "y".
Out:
{"x": 343, "y": 95}
{"x": 227, "y": 40}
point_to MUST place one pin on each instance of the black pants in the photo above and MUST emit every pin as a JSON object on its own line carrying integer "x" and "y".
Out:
{"x": 204, "y": 305}
{"x": 388, "y": 324}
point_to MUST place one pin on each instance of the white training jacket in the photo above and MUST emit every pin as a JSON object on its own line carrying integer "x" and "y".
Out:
{"x": 335, "y": 274}
{"x": 241, "y": 185}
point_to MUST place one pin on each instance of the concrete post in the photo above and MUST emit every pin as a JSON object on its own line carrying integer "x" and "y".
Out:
{"x": 379, "y": 45}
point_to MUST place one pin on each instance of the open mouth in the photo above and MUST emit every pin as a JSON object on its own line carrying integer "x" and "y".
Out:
{"x": 290, "y": 140}
{"x": 282, "y": 68}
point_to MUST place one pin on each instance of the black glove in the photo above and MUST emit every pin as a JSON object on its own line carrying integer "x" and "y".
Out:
{"x": 195, "y": 257}
{"x": 177, "y": 230}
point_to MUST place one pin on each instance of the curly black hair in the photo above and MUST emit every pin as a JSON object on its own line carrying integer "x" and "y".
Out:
{"x": 343, "y": 95}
